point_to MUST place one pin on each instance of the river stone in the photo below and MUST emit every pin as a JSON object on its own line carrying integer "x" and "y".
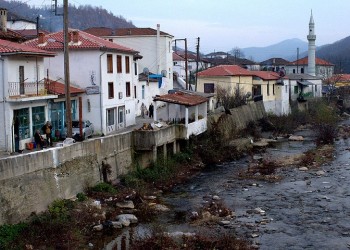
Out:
{"x": 117, "y": 224}
{"x": 160, "y": 207}
{"x": 224, "y": 222}
{"x": 130, "y": 217}
{"x": 125, "y": 222}
{"x": 151, "y": 197}
{"x": 296, "y": 138}
{"x": 98, "y": 227}
{"x": 215, "y": 197}
{"x": 320, "y": 172}
{"x": 303, "y": 169}
{"x": 125, "y": 204}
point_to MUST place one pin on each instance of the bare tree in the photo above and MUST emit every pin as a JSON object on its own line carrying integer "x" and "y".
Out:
{"x": 230, "y": 98}
{"x": 330, "y": 83}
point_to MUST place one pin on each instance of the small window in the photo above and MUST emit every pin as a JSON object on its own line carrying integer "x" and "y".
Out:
{"x": 135, "y": 96}
{"x": 109, "y": 63}
{"x": 268, "y": 89}
{"x": 143, "y": 91}
{"x": 273, "y": 89}
{"x": 127, "y": 64}
{"x": 135, "y": 66}
{"x": 302, "y": 70}
{"x": 110, "y": 90}
{"x": 208, "y": 87}
{"x": 128, "y": 89}
{"x": 119, "y": 64}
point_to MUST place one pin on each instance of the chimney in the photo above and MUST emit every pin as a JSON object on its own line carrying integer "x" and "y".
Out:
{"x": 41, "y": 37}
{"x": 75, "y": 36}
{"x": 3, "y": 19}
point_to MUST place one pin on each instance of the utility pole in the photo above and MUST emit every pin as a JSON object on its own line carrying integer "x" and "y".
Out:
{"x": 197, "y": 62}
{"x": 66, "y": 70}
{"x": 186, "y": 64}
{"x": 297, "y": 60}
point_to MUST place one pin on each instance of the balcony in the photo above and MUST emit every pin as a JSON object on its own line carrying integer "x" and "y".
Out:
{"x": 27, "y": 91}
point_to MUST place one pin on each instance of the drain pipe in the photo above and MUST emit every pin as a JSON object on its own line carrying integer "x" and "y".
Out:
{"x": 3, "y": 99}
{"x": 101, "y": 109}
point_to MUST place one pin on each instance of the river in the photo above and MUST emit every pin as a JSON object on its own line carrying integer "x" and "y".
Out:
{"x": 303, "y": 210}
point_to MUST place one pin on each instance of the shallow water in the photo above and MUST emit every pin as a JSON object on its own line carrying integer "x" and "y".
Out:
{"x": 302, "y": 211}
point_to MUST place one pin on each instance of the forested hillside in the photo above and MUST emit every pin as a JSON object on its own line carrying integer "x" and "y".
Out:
{"x": 337, "y": 53}
{"x": 80, "y": 17}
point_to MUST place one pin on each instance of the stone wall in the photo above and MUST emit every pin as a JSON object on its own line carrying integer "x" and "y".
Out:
{"x": 242, "y": 115}
{"x": 30, "y": 182}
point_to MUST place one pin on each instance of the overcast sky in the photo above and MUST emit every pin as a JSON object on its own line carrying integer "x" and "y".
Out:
{"x": 225, "y": 24}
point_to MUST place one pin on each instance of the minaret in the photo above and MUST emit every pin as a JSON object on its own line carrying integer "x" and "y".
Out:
{"x": 312, "y": 48}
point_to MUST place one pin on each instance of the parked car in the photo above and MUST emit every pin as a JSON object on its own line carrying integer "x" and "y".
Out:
{"x": 88, "y": 130}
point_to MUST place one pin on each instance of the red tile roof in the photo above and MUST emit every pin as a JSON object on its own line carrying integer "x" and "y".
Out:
{"x": 182, "y": 99}
{"x": 304, "y": 61}
{"x": 340, "y": 78}
{"x": 58, "y": 88}
{"x": 54, "y": 41}
{"x": 225, "y": 70}
{"x": 11, "y": 35}
{"x": 266, "y": 75}
{"x": 7, "y": 47}
{"x": 176, "y": 57}
{"x": 103, "y": 31}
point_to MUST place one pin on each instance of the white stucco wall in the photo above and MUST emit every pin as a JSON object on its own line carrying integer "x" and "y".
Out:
{"x": 20, "y": 25}
{"x": 89, "y": 68}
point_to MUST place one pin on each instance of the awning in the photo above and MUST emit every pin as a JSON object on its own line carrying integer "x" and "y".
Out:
{"x": 305, "y": 83}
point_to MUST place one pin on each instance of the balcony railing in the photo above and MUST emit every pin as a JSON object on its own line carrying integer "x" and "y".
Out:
{"x": 17, "y": 89}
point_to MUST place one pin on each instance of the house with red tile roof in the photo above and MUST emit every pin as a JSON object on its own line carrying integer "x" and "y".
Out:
{"x": 106, "y": 71}
{"x": 155, "y": 46}
{"x": 323, "y": 68}
{"x": 24, "y": 99}
{"x": 266, "y": 86}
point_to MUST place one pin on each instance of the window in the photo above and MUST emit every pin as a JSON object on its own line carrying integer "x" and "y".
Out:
{"x": 23, "y": 118}
{"x": 128, "y": 89}
{"x": 119, "y": 64}
{"x": 268, "y": 89}
{"x": 110, "y": 90}
{"x": 315, "y": 88}
{"x": 293, "y": 71}
{"x": 109, "y": 63}
{"x": 302, "y": 70}
{"x": 143, "y": 91}
{"x": 208, "y": 87}
{"x": 273, "y": 89}
{"x": 38, "y": 118}
{"x": 135, "y": 66}
{"x": 21, "y": 80}
{"x": 110, "y": 117}
{"x": 135, "y": 92}
{"x": 127, "y": 64}
{"x": 296, "y": 89}
{"x": 256, "y": 90}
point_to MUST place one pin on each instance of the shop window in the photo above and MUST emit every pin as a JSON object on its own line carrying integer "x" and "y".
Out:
{"x": 23, "y": 117}
{"x": 38, "y": 118}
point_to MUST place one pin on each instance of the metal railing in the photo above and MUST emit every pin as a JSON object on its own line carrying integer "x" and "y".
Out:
{"x": 26, "y": 89}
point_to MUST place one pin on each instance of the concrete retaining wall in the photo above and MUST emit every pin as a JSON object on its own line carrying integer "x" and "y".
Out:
{"x": 30, "y": 182}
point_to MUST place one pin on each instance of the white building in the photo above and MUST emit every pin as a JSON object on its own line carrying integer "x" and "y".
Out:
{"x": 155, "y": 46}
{"x": 105, "y": 70}
{"x": 24, "y": 102}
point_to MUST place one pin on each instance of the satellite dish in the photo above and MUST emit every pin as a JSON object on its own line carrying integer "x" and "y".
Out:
{"x": 146, "y": 71}
{"x": 163, "y": 73}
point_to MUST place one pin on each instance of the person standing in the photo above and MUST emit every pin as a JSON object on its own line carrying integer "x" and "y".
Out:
{"x": 47, "y": 129}
{"x": 143, "y": 108}
{"x": 151, "y": 109}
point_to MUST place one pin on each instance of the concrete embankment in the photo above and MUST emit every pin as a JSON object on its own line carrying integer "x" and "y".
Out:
{"x": 30, "y": 182}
